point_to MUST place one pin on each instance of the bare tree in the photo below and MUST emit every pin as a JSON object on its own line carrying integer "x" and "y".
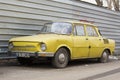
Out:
{"x": 99, "y": 2}
{"x": 109, "y": 3}
{"x": 115, "y": 4}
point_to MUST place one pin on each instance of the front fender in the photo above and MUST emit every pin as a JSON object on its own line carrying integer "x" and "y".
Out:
{"x": 64, "y": 45}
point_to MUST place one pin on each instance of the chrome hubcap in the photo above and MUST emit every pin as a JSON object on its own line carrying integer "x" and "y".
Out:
{"x": 61, "y": 58}
{"x": 105, "y": 56}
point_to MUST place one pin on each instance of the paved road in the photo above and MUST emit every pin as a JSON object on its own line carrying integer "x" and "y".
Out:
{"x": 76, "y": 70}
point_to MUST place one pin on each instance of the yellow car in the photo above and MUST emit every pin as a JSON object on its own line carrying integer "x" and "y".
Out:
{"x": 61, "y": 42}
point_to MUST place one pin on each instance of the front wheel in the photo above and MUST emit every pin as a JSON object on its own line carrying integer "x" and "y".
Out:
{"x": 61, "y": 58}
{"x": 105, "y": 57}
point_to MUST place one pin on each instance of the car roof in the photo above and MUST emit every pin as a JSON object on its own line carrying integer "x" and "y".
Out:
{"x": 81, "y": 22}
{"x": 85, "y": 22}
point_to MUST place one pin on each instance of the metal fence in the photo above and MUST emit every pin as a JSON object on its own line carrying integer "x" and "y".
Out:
{"x": 26, "y": 17}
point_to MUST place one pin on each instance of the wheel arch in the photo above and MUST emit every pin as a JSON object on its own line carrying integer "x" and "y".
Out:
{"x": 67, "y": 48}
{"x": 107, "y": 49}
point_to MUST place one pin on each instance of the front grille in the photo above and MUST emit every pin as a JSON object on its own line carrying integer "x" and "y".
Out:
{"x": 25, "y": 46}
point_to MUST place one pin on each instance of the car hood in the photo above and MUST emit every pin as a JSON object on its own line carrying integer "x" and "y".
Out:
{"x": 37, "y": 38}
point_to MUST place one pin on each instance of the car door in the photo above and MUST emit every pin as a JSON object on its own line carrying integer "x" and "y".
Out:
{"x": 81, "y": 43}
{"x": 95, "y": 42}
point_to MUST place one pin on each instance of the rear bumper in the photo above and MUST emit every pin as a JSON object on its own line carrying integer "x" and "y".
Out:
{"x": 33, "y": 54}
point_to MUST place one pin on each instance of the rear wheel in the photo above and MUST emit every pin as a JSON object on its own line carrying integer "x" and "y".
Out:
{"x": 61, "y": 58}
{"x": 24, "y": 61}
{"x": 105, "y": 57}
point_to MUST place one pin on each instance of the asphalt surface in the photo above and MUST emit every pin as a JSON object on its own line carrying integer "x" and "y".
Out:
{"x": 76, "y": 70}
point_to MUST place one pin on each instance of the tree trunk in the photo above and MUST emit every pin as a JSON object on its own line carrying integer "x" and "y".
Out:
{"x": 109, "y": 3}
{"x": 116, "y": 5}
{"x": 99, "y": 2}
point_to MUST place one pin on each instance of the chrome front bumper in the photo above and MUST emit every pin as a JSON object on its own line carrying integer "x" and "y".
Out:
{"x": 33, "y": 54}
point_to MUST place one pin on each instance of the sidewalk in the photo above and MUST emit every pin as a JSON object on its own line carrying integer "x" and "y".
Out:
{"x": 115, "y": 76}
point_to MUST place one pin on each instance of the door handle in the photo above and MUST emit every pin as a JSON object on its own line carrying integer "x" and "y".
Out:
{"x": 89, "y": 46}
{"x": 86, "y": 38}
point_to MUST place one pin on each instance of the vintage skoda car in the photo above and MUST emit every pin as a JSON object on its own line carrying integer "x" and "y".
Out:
{"x": 61, "y": 42}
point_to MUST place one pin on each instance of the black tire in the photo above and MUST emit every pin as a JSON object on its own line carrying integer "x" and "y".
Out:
{"x": 24, "y": 61}
{"x": 61, "y": 58}
{"x": 104, "y": 57}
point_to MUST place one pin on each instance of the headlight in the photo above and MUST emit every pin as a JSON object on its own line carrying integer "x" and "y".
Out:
{"x": 10, "y": 46}
{"x": 43, "y": 46}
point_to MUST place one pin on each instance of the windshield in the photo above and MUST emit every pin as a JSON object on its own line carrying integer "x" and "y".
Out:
{"x": 57, "y": 28}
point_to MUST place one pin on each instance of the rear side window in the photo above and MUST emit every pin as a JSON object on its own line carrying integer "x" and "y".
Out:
{"x": 91, "y": 31}
{"x": 79, "y": 30}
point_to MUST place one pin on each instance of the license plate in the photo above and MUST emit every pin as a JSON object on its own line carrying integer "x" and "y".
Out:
{"x": 23, "y": 55}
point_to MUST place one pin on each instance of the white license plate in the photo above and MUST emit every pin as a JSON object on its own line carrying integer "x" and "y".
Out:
{"x": 23, "y": 55}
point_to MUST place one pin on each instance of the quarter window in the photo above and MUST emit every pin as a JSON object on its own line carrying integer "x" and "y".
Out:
{"x": 80, "y": 30}
{"x": 91, "y": 31}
